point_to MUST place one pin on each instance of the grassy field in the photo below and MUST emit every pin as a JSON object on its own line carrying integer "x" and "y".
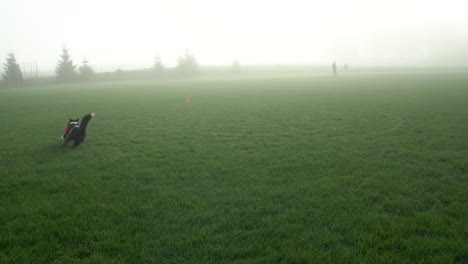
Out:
{"x": 358, "y": 169}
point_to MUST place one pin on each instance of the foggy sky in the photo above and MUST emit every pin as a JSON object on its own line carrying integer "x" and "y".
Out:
{"x": 128, "y": 34}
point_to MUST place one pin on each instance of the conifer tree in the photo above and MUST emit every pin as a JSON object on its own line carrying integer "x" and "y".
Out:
{"x": 235, "y": 67}
{"x": 187, "y": 64}
{"x": 158, "y": 66}
{"x": 86, "y": 71}
{"x": 12, "y": 73}
{"x": 65, "y": 70}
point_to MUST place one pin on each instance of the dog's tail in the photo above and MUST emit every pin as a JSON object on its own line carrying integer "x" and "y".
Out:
{"x": 85, "y": 121}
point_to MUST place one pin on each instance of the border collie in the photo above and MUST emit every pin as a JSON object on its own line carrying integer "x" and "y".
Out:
{"x": 76, "y": 131}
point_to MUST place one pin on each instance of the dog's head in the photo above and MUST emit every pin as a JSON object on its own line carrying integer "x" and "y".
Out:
{"x": 73, "y": 122}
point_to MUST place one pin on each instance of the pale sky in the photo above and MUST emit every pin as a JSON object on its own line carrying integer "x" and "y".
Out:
{"x": 128, "y": 34}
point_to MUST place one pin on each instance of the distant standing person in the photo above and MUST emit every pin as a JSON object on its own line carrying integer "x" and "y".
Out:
{"x": 334, "y": 69}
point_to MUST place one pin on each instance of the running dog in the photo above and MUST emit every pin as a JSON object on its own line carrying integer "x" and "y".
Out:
{"x": 76, "y": 131}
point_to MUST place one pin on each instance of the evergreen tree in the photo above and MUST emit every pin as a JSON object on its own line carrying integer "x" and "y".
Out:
{"x": 12, "y": 73}
{"x": 187, "y": 65}
{"x": 119, "y": 74}
{"x": 158, "y": 66}
{"x": 86, "y": 71}
{"x": 235, "y": 67}
{"x": 65, "y": 70}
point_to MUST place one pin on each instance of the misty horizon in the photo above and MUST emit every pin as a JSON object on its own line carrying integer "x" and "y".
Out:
{"x": 129, "y": 34}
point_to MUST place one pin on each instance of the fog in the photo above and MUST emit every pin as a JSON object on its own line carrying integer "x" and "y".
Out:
{"x": 113, "y": 34}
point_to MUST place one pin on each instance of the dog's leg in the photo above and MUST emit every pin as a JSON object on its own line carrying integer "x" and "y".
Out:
{"x": 65, "y": 141}
{"x": 76, "y": 143}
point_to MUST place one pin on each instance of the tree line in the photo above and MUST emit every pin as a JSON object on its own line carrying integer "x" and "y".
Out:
{"x": 67, "y": 71}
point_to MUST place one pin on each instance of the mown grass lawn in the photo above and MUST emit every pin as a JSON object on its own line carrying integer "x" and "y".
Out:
{"x": 358, "y": 169}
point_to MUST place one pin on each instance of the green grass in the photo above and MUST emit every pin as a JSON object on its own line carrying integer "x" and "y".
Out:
{"x": 358, "y": 169}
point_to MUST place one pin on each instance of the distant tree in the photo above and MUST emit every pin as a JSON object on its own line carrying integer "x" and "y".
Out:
{"x": 187, "y": 64}
{"x": 65, "y": 69}
{"x": 86, "y": 71}
{"x": 119, "y": 74}
{"x": 12, "y": 73}
{"x": 236, "y": 67}
{"x": 158, "y": 66}
{"x": 334, "y": 69}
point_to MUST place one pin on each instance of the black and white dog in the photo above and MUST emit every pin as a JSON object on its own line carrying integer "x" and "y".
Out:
{"x": 76, "y": 131}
